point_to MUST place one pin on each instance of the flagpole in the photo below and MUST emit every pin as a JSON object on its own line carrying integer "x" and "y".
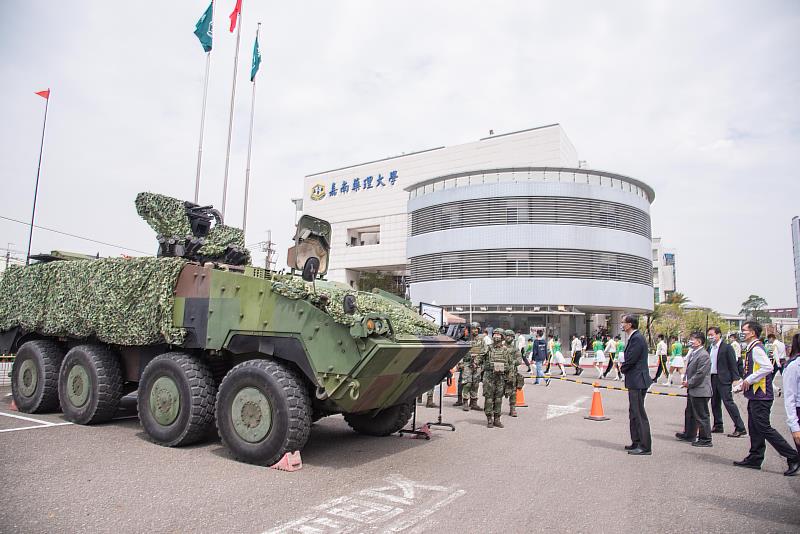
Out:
{"x": 38, "y": 171}
{"x": 202, "y": 128}
{"x": 230, "y": 120}
{"x": 249, "y": 146}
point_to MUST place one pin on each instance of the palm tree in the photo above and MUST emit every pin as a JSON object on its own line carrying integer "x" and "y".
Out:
{"x": 676, "y": 298}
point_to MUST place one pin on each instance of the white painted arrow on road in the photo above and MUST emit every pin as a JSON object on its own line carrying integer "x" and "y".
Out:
{"x": 554, "y": 410}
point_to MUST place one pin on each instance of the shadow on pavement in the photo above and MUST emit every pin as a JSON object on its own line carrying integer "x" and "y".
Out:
{"x": 760, "y": 506}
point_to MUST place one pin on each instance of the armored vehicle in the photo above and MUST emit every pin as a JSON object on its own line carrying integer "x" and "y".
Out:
{"x": 210, "y": 342}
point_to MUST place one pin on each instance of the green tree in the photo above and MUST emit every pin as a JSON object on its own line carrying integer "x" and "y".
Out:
{"x": 754, "y": 308}
{"x": 387, "y": 282}
{"x": 676, "y": 298}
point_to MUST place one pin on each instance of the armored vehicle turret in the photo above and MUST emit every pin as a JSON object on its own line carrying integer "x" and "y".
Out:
{"x": 209, "y": 340}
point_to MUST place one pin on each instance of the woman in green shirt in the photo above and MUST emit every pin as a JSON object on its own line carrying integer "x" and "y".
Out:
{"x": 599, "y": 356}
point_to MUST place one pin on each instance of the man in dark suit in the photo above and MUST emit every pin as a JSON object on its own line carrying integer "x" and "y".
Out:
{"x": 724, "y": 371}
{"x": 637, "y": 380}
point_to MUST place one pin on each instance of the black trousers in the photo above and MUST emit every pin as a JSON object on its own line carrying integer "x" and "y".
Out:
{"x": 662, "y": 367}
{"x": 640, "y": 425}
{"x": 525, "y": 359}
{"x": 761, "y": 431}
{"x": 721, "y": 394}
{"x": 697, "y": 423}
{"x": 576, "y": 362}
{"x": 611, "y": 360}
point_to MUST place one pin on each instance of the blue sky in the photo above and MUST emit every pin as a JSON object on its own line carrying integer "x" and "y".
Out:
{"x": 697, "y": 99}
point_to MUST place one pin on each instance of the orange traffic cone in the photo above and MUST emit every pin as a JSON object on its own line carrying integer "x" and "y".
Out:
{"x": 521, "y": 399}
{"x": 452, "y": 387}
{"x": 596, "y": 412}
{"x": 290, "y": 462}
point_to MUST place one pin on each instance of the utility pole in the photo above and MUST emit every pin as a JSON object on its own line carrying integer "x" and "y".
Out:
{"x": 269, "y": 248}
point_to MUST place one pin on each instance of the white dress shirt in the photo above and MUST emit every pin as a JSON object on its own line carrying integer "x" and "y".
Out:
{"x": 713, "y": 354}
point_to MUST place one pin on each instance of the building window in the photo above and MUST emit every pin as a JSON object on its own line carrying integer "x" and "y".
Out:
{"x": 364, "y": 236}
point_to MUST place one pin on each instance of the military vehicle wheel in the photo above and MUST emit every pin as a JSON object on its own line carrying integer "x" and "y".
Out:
{"x": 263, "y": 411}
{"x": 382, "y": 423}
{"x": 90, "y": 384}
{"x": 177, "y": 395}
{"x": 34, "y": 376}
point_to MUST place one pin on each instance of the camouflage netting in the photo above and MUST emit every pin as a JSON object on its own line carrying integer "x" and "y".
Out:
{"x": 220, "y": 238}
{"x": 116, "y": 300}
{"x": 166, "y": 215}
{"x": 403, "y": 319}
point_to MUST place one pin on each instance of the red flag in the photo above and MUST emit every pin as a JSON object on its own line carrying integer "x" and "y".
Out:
{"x": 237, "y": 11}
{"x": 44, "y": 94}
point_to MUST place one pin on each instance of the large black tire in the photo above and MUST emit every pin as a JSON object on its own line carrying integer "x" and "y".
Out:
{"x": 90, "y": 384}
{"x": 383, "y": 423}
{"x": 263, "y": 411}
{"x": 177, "y": 396}
{"x": 34, "y": 376}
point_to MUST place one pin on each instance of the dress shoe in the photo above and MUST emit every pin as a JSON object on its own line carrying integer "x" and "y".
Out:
{"x": 639, "y": 451}
{"x": 794, "y": 469}
{"x": 717, "y": 430}
{"x": 631, "y": 447}
{"x": 702, "y": 443}
{"x": 737, "y": 434}
{"x": 680, "y": 436}
{"x": 747, "y": 464}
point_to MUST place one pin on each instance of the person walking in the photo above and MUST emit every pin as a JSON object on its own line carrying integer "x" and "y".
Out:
{"x": 676, "y": 363}
{"x": 611, "y": 353}
{"x": 550, "y": 344}
{"x": 724, "y": 372}
{"x": 539, "y": 354}
{"x": 637, "y": 380}
{"x": 697, "y": 427}
{"x": 599, "y": 356}
{"x": 757, "y": 388}
{"x": 522, "y": 344}
{"x": 558, "y": 356}
{"x": 576, "y": 348}
{"x": 620, "y": 357}
{"x": 778, "y": 357}
{"x": 791, "y": 395}
{"x": 661, "y": 358}
{"x": 733, "y": 339}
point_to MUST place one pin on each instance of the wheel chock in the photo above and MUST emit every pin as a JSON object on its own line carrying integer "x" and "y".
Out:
{"x": 290, "y": 462}
{"x": 424, "y": 432}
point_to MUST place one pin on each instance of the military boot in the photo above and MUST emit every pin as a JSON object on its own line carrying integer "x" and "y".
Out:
{"x": 489, "y": 421}
{"x": 497, "y": 422}
{"x": 464, "y": 405}
{"x": 513, "y": 411}
{"x": 473, "y": 405}
{"x": 429, "y": 402}
{"x": 459, "y": 402}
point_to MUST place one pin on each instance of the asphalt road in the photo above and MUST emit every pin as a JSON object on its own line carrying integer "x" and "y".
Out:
{"x": 560, "y": 473}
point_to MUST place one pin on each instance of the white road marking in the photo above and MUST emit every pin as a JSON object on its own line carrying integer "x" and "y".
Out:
{"x": 554, "y": 410}
{"x": 406, "y": 503}
{"x": 32, "y": 427}
{"x": 31, "y": 419}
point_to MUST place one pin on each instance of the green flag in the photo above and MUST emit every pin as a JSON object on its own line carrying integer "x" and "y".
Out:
{"x": 204, "y": 28}
{"x": 256, "y": 60}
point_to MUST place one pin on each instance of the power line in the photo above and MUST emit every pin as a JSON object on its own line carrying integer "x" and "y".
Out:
{"x": 75, "y": 236}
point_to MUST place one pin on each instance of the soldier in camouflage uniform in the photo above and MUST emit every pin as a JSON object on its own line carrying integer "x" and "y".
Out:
{"x": 470, "y": 371}
{"x": 514, "y": 380}
{"x": 494, "y": 363}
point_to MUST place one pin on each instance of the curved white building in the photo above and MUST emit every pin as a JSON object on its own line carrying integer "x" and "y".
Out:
{"x": 518, "y": 239}
{"x": 509, "y": 228}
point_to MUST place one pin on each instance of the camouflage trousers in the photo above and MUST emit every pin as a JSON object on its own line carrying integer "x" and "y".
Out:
{"x": 471, "y": 379}
{"x": 493, "y": 389}
{"x": 511, "y": 388}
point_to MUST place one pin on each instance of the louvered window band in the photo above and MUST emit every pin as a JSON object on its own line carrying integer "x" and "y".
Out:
{"x": 530, "y": 210}
{"x": 532, "y": 263}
